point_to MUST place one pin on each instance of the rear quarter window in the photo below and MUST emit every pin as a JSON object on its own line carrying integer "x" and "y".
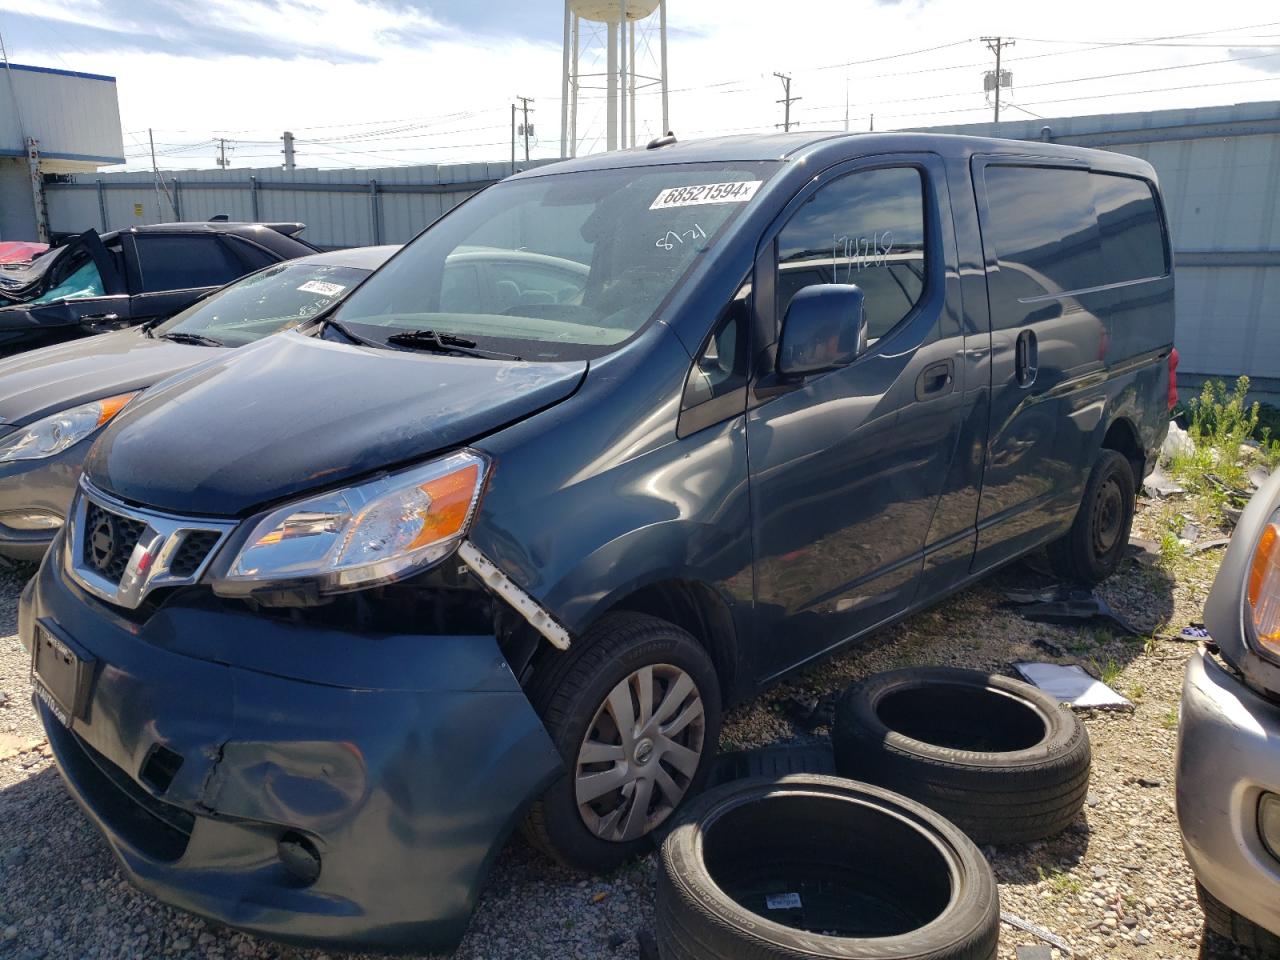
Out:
{"x": 1130, "y": 228}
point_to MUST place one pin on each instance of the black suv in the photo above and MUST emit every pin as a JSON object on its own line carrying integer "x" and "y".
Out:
{"x": 93, "y": 283}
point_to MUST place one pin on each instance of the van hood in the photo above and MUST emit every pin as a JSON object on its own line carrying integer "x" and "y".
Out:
{"x": 41, "y": 382}
{"x": 293, "y": 413}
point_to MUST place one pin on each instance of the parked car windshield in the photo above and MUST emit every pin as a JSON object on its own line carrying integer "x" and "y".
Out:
{"x": 263, "y": 303}
{"x": 562, "y": 266}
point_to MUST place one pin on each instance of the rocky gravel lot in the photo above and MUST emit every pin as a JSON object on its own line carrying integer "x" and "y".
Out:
{"x": 1115, "y": 884}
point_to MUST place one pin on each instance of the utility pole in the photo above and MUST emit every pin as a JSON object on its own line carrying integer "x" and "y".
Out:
{"x": 222, "y": 160}
{"x": 786, "y": 101}
{"x": 996, "y": 45}
{"x": 513, "y": 138}
{"x": 526, "y": 128}
{"x": 288, "y": 152}
{"x": 155, "y": 169}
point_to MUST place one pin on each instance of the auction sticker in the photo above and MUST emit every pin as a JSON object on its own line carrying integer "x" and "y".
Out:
{"x": 737, "y": 191}
{"x": 322, "y": 287}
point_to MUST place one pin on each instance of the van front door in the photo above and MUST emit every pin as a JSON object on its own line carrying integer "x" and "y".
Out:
{"x": 846, "y": 467}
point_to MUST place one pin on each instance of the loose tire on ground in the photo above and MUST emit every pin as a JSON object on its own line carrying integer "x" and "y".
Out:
{"x": 1243, "y": 932}
{"x": 1094, "y": 546}
{"x": 1000, "y": 758}
{"x": 815, "y": 867}
{"x": 579, "y": 694}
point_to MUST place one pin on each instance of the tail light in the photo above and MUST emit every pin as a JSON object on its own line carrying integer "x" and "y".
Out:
{"x": 1173, "y": 378}
{"x": 1264, "y": 588}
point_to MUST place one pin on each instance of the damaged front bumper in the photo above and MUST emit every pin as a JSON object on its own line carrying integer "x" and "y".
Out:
{"x": 218, "y": 786}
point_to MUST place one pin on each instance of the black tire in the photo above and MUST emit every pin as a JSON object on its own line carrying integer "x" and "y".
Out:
{"x": 570, "y": 688}
{"x": 1003, "y": 760}
{"x": 875, "y": 875}
{"x": 1241, "y": 931}
{"x": 1094, "y": 546}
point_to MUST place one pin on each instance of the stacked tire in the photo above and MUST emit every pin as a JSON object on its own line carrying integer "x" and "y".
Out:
{"x": 1001, "y": 759}
{"x": 820, "y": 867}
{"x": 814, "y": 867}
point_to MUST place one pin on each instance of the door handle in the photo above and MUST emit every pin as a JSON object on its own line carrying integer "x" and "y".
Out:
{"x": 96, "y": 317}
{"x": 1026, "y": 358}
{"x": 936, "y": 380}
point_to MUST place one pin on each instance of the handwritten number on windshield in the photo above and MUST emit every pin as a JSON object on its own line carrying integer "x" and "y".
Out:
{"x": 672, "y": 239}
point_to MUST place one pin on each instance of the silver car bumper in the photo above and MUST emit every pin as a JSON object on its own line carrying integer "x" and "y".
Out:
{"x": 1228, "y": 757}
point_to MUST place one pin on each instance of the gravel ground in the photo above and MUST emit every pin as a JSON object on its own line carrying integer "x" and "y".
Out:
{"x": 1115, "y": 884}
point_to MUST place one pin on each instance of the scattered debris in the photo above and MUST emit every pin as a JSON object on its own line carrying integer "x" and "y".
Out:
{"x": 1037, "y": 952}
{"x": 1203, "y": 545}
{"x": 1161, "y": 486}
{"x": 1176, "y": 442}
{"x": 1071, "y": 685}
{"x": 1026, "y": 926}
{"x": 809, "y": 715}
{"x": 1145, "y": 552}
{"x": 1195, "y": 633}
{"x": 1066, "y": 605}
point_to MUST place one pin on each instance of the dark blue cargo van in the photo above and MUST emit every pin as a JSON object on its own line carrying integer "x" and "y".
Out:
{"x": 611, "y": 446}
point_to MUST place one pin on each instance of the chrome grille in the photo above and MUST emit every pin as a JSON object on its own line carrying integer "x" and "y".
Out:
{"x": 109, "y": 539}
{"x": 121, "y": 553}
{"x": 195, "y": 549}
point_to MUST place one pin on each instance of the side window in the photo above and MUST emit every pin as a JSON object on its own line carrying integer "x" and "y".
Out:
{"x": 253, "y": 256}
{"x": 1042, "y": 227}
{"x": 1132, "y": 236}
{"x": 177, "y": 262}
{"x": 721, "y": 368}
{"x": 866, "y": 228}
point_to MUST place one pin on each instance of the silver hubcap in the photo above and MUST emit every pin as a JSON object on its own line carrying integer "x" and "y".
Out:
{"x": 640, "y": 753}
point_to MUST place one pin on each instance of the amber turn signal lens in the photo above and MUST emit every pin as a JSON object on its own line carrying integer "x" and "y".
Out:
{"x": 1264, "y": 588}
{"x": 112, "y": 405}
{"x": 451, "y": 497}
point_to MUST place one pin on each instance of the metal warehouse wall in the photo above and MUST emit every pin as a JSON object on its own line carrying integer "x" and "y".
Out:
{"x": 341, "y": 208}
{"x": 1219, "y": 170}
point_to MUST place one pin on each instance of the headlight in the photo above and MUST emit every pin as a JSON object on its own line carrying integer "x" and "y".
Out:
{"x": 56, "y": 433}
{"x": 371, "y": 533}
{"x": 1264, "y": 588}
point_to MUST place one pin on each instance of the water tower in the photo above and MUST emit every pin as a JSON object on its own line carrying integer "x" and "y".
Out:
{"x": 609, "y": 45}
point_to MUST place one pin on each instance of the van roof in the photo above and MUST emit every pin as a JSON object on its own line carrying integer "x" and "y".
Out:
{"x": 835, "y": 145}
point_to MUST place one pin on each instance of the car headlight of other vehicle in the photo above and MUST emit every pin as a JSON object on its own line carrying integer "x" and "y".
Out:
{"x": 60, "y": 431}
{"x": 371, "y": 533}
{"x": 1263, "y": 588}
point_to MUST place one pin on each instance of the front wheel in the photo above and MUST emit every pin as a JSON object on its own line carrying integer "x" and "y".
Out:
{"x": 634, "y": 709}
{"x": 1094, "y": 546}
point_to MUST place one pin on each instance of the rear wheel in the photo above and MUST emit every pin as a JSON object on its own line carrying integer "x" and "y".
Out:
{"x": 1094, "y": 546}
{"x": 634, "y": 709}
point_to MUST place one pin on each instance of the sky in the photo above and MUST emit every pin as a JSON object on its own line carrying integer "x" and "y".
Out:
{"x": 379, "y": 83}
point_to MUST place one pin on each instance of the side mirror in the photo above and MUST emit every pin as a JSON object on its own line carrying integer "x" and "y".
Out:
{"x": 824, "y": 328}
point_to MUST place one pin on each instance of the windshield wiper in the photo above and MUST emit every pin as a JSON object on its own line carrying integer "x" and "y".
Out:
{"x": 444, "y": 343}
{"x": 195, "y": 339}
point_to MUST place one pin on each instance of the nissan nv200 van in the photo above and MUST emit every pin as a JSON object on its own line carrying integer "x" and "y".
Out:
{"x": 606, "y": 449}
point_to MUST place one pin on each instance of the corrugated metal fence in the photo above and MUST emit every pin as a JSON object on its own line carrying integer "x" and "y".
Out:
{"x": 341, "y": 208}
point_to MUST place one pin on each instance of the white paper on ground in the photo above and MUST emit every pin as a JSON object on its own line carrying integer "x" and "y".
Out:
{"x": 1070, "y": 684}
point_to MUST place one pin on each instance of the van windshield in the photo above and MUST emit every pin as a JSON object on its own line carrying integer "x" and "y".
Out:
{"x": 558, "y": 267}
